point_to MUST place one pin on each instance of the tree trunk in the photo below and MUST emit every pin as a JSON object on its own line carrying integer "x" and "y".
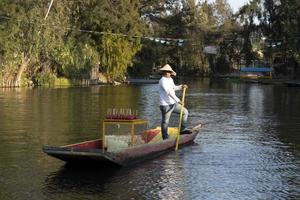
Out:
{"x": 22, "y": 68}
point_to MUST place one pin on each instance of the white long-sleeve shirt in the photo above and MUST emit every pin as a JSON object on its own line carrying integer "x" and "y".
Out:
{"x": 167, "y": 90}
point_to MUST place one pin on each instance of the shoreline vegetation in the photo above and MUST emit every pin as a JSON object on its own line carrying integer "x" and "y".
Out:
{"x": 84, "y": 42}
{"x": 66, "y": 83}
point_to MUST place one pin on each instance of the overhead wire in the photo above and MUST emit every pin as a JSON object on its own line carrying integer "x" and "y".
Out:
{"x": 162, "y": 40}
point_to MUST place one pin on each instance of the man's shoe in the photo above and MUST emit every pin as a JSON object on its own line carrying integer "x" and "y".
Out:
{"x": 185, "y": 131}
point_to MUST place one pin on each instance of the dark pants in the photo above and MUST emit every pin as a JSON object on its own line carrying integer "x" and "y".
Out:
{"x": 166, "y": 112}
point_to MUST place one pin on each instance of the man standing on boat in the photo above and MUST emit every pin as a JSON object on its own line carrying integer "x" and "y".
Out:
{"x": 168, "y": 100}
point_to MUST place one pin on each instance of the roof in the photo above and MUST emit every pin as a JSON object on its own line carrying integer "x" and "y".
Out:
{"x": 256, "y": 69}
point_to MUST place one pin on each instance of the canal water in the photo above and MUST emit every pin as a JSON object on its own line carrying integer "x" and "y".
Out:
{"x": 249, "y": 147}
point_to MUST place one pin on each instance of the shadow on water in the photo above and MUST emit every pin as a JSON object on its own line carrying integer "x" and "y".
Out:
{"x": 79, "y": 179}
{"x": 156, "y": 178}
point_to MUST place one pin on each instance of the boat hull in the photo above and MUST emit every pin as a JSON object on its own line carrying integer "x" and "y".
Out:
{"x": 81, "y": 153}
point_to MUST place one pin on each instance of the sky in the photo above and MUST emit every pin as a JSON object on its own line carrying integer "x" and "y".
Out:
{"x": 236, "y": 4}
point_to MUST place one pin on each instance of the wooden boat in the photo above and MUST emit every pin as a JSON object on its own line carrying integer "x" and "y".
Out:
{"x": 93, "y": 151}
{"x": 292, "y": 83}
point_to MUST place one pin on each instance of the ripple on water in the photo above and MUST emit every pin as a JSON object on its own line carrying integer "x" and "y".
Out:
{"x": 248, "y": 149}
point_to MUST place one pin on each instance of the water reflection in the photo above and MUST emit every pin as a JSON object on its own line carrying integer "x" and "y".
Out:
{"x": 167, "y": 182}
{"x": 160, "y": 179}
{"x": 78, "y": 181}
{"x": 249, "y": 147}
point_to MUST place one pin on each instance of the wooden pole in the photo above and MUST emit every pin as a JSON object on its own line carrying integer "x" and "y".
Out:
{"x": 180, "y": 117}
{"x": 103, "y": 137}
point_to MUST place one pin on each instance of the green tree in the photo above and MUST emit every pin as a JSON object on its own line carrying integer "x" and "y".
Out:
{"x": 77, "y": 36}
{"x": 248, "y": 14}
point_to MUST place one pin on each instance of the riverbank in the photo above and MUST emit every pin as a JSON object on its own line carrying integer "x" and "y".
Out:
{"x": 142, "y": 81}
{"x": 64, "y": 82}
{"x": 288, "y": 82}
{"x": 263, "y": 80}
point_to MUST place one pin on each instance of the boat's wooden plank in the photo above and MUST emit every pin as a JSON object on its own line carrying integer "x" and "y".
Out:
{"x": 131, "y": 155}
{"x": 69, "y": 154}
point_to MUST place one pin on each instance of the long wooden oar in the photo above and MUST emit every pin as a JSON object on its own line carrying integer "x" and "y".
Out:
{"x": 180, "y": 117}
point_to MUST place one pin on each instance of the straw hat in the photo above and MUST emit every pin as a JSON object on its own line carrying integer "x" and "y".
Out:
{"x": 168, "y": 68}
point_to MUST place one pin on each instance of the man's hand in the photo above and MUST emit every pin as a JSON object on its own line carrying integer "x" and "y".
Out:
{"x": 184, "y": 86}
{"x": 180, "y": 102}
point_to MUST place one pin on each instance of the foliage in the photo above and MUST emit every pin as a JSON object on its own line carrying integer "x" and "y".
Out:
{"x": 83, "y": 36}
{"x": 117, "y": 54}
{"x": 45, "y": 78}
{"x": 62, "y": 82}
{"x": 40, "y": 48}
